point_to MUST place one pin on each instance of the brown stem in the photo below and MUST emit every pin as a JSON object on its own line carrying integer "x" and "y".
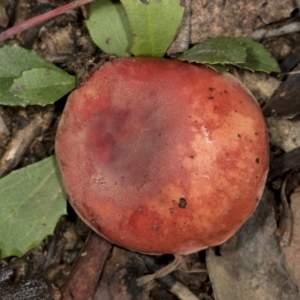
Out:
{"x": 84, "y": 276}
{"x": 174, "y": 265}
{"x": 180, "y": 262}
{"x": 167, "y": 280}
{"x": 41, "y": 18}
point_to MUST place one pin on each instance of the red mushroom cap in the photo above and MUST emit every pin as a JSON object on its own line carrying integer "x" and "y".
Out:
{"x": 162, "y": 156}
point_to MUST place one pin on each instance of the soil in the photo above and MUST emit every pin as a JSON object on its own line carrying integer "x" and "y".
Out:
{"x": 45, "y": 272}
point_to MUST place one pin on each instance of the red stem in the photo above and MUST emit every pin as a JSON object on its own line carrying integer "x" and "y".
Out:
{"x": 41, "y": 18}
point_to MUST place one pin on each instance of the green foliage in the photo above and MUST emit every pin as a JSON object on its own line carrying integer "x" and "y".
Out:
{"x": 219, "y": 50}
{"x": 242, "y": 52}
{"x": 32, "y": 200}
{"x": 109, "y": 27}
{"x": 218, "y": 67}
{"x": 14, "y": 61}
{"x": 154, "y": 24}
{"x": 258, "y": 57}
{"x": 142, "y": 28}
{"x": 42, "y": 85}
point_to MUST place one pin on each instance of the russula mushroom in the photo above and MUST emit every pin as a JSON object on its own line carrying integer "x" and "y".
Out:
{"x": 162, "y": 156}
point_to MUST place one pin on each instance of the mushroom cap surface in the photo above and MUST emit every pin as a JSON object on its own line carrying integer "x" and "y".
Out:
{"x": 162, "y": 156}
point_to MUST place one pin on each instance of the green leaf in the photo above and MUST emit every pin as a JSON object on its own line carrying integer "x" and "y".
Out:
{"x": 14, "y": 60}
{"x": 218, "y": 68}
{"x": 258, "y": 57}
{"x": 154, "y": 24}
{"x": 42, "y": 86}
{"x": 219, "y": 50}
{"x": 6, "y": 97}
{"x": 32, "y": 200}
{"x": 242, "y": 52}
{"x": 109, "y": 27}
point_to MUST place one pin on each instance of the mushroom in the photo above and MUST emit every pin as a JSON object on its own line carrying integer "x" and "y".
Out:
{"x": 162, "y": 156}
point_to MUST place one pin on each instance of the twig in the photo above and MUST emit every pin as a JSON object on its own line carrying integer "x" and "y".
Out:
{"x": 40, "y": 19}
{"x": 23, "y": 139}
{"x": 174, "y": 265}
{"x": 271, "y": 32}
{"x": 84, "y": 276}
{"x": 169, "y": 281}
{"x": 289, "y": 73}
{"x": 180, "y": 263}
{"x": 182, "y": 292}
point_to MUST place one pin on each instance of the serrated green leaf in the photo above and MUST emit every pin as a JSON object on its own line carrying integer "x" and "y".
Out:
{"x": 154, "y": 24}
{"x": 258, "y": 58}
{"x": 13, "y": 61}
{"x": 219, "y": 50}
{"x": 6, "y": 97}
{"x": 109, "y": 27}
{"x": 42, "y": 86}
{"x": 243, "y": 52}
{"x": 32, "y": 200}
{"x": 218, "y": 68}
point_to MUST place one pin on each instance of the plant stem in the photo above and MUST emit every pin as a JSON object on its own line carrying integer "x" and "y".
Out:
{"x": 41, "y": 18}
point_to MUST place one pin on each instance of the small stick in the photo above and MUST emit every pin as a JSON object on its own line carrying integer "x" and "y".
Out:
{"x": 180, "y": 263}
{"x": 169, "y": 281}
{"x": 23, "y": 139}
{"x": 289, "y": 73}
{"x": 261, "y": 33}
{"x": 84, "y": 276}
{"x": 40, "y": 19}
{"x": 173, "y": 266}
{"x": 182, "y": 292}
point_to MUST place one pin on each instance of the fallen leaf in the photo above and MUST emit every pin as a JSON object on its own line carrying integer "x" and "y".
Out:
{"x": 292, "y": 251}
{"x": 118, "y": 280}
{"x": 32, "y": 200}
{"x": 251, "y": 264}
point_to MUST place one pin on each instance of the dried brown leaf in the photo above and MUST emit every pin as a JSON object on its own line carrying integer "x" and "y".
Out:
{"x": 118, "y": 281}
{"x": 251, "y": 265}
{"x": 292, "y": 251}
